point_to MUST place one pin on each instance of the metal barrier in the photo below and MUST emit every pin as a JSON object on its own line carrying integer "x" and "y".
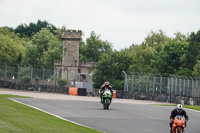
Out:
{"x": 29, "y": 74}
{"x": 162, "y": 84}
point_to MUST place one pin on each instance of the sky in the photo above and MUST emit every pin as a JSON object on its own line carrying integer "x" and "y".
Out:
{"x": 120, "y": 22}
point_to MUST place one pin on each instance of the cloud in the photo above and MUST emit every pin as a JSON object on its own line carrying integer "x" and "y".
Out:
{"x": 120, "y": 22}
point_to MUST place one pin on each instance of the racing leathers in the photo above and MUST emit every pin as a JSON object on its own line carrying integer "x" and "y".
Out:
{"x": 174, "y": 113}
{"x": 103, "y": 87}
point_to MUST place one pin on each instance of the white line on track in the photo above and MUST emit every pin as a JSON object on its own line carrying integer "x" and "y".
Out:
{"x": 53, "y": 114}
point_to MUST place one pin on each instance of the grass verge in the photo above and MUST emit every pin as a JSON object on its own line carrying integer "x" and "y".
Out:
{"x": 194, "y": 107}
{"x": 18, "y": 118}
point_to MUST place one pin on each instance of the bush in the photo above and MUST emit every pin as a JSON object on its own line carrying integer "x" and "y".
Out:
{"x": 1, "y": 73}
{"x": 62, "y": 82}
{"x": 37, "y": 79}
{"x": 25, "y": 79}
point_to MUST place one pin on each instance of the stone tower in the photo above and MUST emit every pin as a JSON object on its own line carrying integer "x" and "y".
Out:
{"x": 70, "y": 60}
{"x": 70, "y": 67}
{"x": 71, "y": 40}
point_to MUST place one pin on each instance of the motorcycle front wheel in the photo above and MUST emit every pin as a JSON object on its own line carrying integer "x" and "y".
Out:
{"x": 106, "y": 104}
{"x": 179, "y": 130}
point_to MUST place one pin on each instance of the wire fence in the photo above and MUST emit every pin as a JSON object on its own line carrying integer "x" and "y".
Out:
{"x": 163, "y": 84}
{"x": 29, "y": 74}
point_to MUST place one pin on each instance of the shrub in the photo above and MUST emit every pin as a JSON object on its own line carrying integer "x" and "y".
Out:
{"x": 25, "y": 79}
{"x": 37, "y": 79}
{"x": 62, "y": 82}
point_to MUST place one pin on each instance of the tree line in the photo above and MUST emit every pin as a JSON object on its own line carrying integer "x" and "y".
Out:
{"x": 39, "y": 44}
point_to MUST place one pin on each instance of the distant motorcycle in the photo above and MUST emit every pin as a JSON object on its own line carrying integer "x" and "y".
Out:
{"x": 178, "y": 125}
{"x": 107, "y": 98}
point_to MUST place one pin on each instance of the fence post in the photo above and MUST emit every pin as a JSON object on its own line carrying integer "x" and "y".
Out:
{"x": 175, "y": 85}
{"x": 171, "y": 88}
{"x": 125, "y": 81}
{"x": 154, "y": 78}
{"x": 196, "y": 87}
{"x": 18, "y": 72}
{"x": 55, "y": 76}
{"x": 67, "y": 73}
{"x": 31, "y": 71}
{"x": 147, "y": 80}
{"x": 183, "y": 90}
{"x": 132, "y": 82}
{"x": 179, "y": 88}
{"x": 43, "y": 72}
{"x": 160, "y": 83}
{"x": 192, "y": 85}
{"x": 139, "y": 80}
{"x": 188, "y": 85}
{"x": 5, "y": 76}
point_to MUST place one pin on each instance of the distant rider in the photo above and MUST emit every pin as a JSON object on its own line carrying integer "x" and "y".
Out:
{"x": 178, "y": 111}
{"x": 106, "y": 85}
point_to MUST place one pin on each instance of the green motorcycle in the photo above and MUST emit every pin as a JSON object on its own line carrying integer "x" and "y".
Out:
{"x": 107, "y": 98}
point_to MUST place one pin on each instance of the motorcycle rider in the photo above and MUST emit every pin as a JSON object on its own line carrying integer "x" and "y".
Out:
{"x": 106, "y": 85}
{"x": 178, "y": 111}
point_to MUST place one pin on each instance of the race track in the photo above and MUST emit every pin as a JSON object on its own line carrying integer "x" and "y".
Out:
{"x": 120, "y": 118}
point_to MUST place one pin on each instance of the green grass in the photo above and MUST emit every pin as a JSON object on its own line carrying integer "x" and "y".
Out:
{"x": 18, "y": 118}
{"x": 194, "y": 107}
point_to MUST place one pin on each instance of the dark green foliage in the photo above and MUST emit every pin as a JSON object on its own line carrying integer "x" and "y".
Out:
{"x": 25, "y": 79}
{"x": 62, "y": 82}
{"x": 12, "y": 47}
{"x": 158, "y": 53}
{"x": 94, "y": 48}
{"x": 110, "y": 67}
{"x": 43, "y": 49}
{"x": 192, "y": 53}
{"x": 2, "y": 73}
{"x": 31, "y": 29}
{"x": 37, "y": 79}
{"x": 169, "y": 59}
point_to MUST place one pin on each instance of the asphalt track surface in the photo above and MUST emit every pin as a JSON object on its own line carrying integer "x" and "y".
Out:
{"x": 120, "y": 118}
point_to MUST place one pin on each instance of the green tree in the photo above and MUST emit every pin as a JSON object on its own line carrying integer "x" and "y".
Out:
{"x": 192, "y": 53}
{"x": 12, "y": 47}
{"x": 94, "y": 48}
{"x": 169, "y": 59}
{"x": 156, "y": 40}
{"x": 196, "y": 71}
{"x": 31, "y": 29}
{"x": 142, "y": 56}
{"x": 110, "y": 67}
{"x": 43, "y": 49}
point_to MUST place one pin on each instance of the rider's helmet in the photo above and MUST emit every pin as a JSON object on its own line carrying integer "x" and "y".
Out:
{"x": 107, "y": 84}
{"x": 179, "y": 107}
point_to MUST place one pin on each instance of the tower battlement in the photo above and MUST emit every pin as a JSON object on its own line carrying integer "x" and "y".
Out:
{"x": 87, "y": 64}
{"x": 71, "y": 35}
{"x": 57, "y": 63}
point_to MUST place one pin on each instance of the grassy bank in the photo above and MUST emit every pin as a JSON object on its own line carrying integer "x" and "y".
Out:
{"x": 18, "y": 118}
{"x": 194, "y": 107}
